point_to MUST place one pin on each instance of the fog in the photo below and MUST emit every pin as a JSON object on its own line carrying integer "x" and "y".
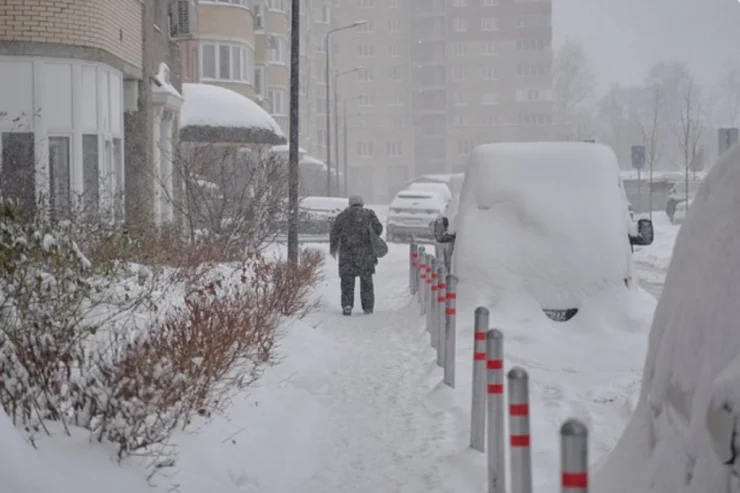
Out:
{"x": 623, "y": 38}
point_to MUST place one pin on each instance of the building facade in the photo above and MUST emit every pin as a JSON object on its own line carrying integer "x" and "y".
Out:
{"x": 442, "y": 76}
{"x": 72, "y": 70}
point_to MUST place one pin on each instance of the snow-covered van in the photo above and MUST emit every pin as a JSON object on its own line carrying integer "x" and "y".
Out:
{"x": 547, "y": 223}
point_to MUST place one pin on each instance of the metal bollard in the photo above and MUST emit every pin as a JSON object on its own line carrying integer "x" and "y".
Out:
{"x": 433, "y": 306}
{"x": 495, "y": 412}
{"x": 478, "y": 406}
{"x": 450, "y": 330}
{"x": 574, "y": 457}
{"x": 440, "y": 317}
{"x": 413, "y": 267}
{"x": 428, "y": 284}
{"x": 521, "y": 453}
{"x": 422, "y": 279}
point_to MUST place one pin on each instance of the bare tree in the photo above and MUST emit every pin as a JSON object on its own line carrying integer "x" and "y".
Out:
{"x": 573, "y": 84}
{"x": 650, "y": 121}
{"x": 689, "y": 127}
{"x": 235, "y": 198}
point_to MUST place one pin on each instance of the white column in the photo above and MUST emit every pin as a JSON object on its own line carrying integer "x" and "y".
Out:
{"x": 157, "y": 162}
{"x": 166, "y": 178}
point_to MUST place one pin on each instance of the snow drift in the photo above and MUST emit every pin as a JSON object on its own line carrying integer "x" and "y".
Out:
{"x": 691, "y": 370}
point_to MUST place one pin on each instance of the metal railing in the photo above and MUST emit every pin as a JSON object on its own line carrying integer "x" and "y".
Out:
{"x": 436, "y": 291}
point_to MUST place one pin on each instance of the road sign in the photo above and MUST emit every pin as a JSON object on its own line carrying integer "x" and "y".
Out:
{"x": 727, "y": 138}
{"x": 638, "y": 157}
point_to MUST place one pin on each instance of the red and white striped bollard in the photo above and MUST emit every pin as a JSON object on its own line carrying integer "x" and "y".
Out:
{"x": 519, "y": 431}
{"x": 451, "y": 330}
{"x": 495, "y": 412}
{"x": 478, "y": 404}
{"x": 574, "y": 457}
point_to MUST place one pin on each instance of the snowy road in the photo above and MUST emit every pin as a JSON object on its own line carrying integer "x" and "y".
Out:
{"x": 652, "y": 278}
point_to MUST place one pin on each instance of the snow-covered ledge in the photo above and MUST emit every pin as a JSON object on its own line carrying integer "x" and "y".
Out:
{"x": 167, "y": 102}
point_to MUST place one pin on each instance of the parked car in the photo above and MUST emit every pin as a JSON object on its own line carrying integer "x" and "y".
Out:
{"x": 410, "y": 213}
{"x": 561, "y": 242}
{"x": 440, "y": 188}
{"x": 678, "y": 195}
{"x": 316, "y": 215}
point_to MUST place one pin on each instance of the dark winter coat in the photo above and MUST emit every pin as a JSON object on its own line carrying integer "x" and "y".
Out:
{"x": 351, "y": 239}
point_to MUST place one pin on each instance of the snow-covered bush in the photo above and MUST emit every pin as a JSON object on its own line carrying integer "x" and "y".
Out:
{"x": 128, "y": 352}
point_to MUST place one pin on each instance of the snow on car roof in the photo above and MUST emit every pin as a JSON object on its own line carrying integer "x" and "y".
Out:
{"x": 548, "y": 217}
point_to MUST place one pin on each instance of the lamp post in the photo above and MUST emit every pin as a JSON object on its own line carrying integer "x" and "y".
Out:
{"x": 293, "y": 178}
{"x": 336, "y": 126}
{"x": 346, "y": 145}
{"x": 328, "y": 98}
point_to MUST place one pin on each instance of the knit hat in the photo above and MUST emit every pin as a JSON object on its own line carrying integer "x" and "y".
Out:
{"x": 356, "y": 200}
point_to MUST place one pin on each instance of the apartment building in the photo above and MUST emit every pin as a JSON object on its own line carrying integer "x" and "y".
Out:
{"x": 438, "y": 78}
{"x": 376, "y": 89}
{"x": 82, "y": 105}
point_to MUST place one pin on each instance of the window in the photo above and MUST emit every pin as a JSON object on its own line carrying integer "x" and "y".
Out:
{"x": 394, "y": 50}
{"x": 534, "y": 119}
{"x": 367, "y": 27}
{"x": 278, "y": 50}
{"x": 395, "y": 4}
{"x": 393, "y": 149}
{"x": 459, "y": 24}
{"x": 365, "y": 149}
{"x": 532, "y": 20}
{"x": 459, "y": 74}
{"x": 397, "y": 99}
{"x": 367, "y": 4}
{"x": 396, "y": 73}
{"x": 533, "y": 95}
{"x": 259, "y": 20}
{"x": 279, "y": 102}
{"x": 488, "y": 24}
{"x": 394, "y": 25}
{"x": 488, "y": 3}
{"x": 90, "y": 174}
{"x": 232, "y": 62}
{"x": 366, "y": 75}
{"x": 489, "y": 73}
{"x": 278, "y": 5}
{"x": 243, "y": 3}
{"x": 320, "y": 43}
{"x": 460, "y": 3}
{"x": 59, "y": 176}
{"x": 488, "y": 49}
{"x": 323, "y": 14}
{"x": 366, "y": 100}
{"x": 460, "y": 99}
{"x": 17, "y": 179}
{"x": 259, "y": 80}
{"x": 465, "y": 146}
{"x": 459, "y": 48}
{"x": 532, "y": 45}
{"x": 365, "y": 51}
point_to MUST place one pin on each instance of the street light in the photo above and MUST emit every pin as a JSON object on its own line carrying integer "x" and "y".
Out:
{"x": 328, "y": 98}
{"x": 346, "y": 145}
{"x": 336, "y": 122}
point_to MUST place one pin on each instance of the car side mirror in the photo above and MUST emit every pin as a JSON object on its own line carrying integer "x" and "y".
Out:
{"x": 645, "y": 233}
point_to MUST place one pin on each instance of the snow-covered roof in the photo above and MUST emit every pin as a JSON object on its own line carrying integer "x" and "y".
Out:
{"x": 680, "y": 436}
{"x": 216, "y": 114}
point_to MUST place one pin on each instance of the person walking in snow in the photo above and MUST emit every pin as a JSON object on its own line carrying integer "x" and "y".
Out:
{"x": 350, "y": 238}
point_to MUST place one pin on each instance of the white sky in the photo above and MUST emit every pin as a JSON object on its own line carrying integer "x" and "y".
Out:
{"x": 623, "y": 38}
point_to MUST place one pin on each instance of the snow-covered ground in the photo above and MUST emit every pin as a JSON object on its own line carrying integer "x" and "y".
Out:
{"x": 652, "y": 261}
{"x": 357, "y": 405}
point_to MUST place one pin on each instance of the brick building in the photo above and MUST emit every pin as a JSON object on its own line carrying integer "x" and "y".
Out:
{"x": 82, "y": 103}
